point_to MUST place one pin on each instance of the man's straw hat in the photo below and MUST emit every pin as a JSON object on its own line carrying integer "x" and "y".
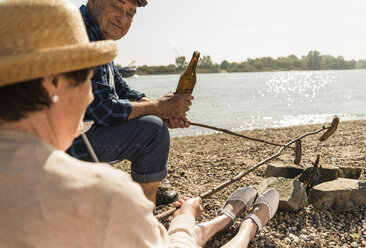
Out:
{"x": 141, "y": 3}
{"x": 45, "y": 37}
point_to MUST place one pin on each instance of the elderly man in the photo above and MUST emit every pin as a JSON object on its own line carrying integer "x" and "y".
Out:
{"x": 127, "y": 124}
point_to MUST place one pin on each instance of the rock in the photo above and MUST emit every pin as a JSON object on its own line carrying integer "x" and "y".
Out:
{"x": 310, "y": 244}
{"x": 354, "y": 244}
{"x": 283, "y": 170}
{"x": 341, "y": 194}
{"x": 312, "y": 236}
{"x": 292, "y": 192}
{"x": 217, "y": 243}
{"x": 324, "y": 235}
{"x": 304, "y": 237}
{"x": 351, "y": 172}
{"x": 294, "y": 238}
{"x": 327, "y": 173}
{"x": 328, "y": 214}
{"x": 287, "y": 240}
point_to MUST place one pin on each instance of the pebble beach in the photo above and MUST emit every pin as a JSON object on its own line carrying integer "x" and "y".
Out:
{"x": 198, "y": 163}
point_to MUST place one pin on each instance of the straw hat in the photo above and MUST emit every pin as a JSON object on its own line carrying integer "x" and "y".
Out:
{"x": 45, "y": 37}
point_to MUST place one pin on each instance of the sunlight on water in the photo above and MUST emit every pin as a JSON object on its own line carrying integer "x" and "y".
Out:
{"x": 242, "y": 101}
{"x": 294, "y": 87}
{"x": 285, "y": 121}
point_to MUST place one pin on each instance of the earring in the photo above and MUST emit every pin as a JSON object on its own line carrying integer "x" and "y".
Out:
{"x": 55, "y": 98}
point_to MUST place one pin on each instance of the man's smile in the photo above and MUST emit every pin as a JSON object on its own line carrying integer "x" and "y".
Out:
{"x": 117, "y": 26}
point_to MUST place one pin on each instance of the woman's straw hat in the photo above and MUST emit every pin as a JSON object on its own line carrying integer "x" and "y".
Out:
{"x": 45, "y": 37}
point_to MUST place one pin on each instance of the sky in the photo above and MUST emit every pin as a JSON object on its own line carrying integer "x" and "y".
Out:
{"x": 235, "y": 30}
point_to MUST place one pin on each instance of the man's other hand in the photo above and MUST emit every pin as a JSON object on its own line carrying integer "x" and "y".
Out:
{"x": 177, "y": 122}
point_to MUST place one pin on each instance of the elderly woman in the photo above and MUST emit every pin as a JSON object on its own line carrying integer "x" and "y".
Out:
{"x": 49, "y": 199}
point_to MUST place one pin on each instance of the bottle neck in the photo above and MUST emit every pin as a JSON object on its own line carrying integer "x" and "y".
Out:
{"x": 192, "y": 65}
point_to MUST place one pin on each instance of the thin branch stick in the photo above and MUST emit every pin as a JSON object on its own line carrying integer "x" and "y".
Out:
{"x": 243, "y": 173}
{"x": 233, "y": 133}
{"x": 89, "y": 148}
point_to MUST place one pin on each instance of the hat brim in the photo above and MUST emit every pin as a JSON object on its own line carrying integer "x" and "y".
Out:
{"x": 30, "y": 65}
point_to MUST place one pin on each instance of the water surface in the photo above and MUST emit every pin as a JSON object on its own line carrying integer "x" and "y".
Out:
{"x": 241, "y": 101}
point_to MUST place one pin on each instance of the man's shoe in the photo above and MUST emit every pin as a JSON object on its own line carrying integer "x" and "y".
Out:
{"x": 165, "y": 197}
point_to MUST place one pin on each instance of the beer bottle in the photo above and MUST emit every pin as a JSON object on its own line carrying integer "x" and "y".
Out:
{"x": 188, "y": 79}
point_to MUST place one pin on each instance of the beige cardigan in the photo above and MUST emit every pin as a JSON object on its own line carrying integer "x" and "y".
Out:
{"x": 49, "y": 199}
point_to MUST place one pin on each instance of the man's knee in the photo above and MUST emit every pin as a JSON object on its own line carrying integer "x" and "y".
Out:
{"x": 154, "y": 124}
{"x": 151, "y": 164}
{"x": 152, "y": 121}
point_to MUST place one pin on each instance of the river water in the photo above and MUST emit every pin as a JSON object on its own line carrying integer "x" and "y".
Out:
{"x": 256, "y": 100}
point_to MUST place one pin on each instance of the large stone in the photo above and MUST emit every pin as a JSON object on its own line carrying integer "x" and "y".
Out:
{"x": 351, "y": 172}
{"x": 292, "y": 192}
{"x": 342, "y": 194}
{"x": 327, "y": 173}
{"x": 283, "y": 170}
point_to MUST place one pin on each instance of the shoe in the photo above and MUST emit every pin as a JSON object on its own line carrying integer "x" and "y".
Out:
{"x": 270, "y": 198}
{"x": 245, "y": 194}
{"x": 165, "y": 197}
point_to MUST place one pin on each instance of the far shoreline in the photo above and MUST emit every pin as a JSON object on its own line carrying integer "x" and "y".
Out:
{"x": 177, "y": 74}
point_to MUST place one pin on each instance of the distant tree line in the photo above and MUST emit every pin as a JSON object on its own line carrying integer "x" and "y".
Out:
{"x": 313, "y": 61}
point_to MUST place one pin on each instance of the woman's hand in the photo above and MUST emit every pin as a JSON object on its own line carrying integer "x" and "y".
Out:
{"x": 190, "y": 206}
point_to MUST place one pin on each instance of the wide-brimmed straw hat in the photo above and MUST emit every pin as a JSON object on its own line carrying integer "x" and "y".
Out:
{"x": 46, "y": 37}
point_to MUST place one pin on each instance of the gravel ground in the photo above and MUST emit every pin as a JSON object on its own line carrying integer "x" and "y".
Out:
{"x": 198, "y": 163}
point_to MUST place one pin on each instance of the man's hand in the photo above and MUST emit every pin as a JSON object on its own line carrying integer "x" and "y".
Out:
{"x": 173, "y": 105}
{"x": 190, "y": 206}
{"x": 177, "y": 122}
{"x": 169, "y": 106}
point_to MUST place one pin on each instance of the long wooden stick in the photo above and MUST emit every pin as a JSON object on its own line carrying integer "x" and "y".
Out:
{"x": 243, "y": 173}
{"x": 233, "y": 133}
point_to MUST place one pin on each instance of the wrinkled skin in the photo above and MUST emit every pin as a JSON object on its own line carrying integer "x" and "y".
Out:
{"x": 114, "y": 17}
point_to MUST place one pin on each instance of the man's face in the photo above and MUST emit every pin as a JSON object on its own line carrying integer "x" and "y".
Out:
{"x": 114, "y": 17}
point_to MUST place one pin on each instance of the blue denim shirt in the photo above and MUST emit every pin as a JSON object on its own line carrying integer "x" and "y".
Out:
{"x": 106, "y": 109}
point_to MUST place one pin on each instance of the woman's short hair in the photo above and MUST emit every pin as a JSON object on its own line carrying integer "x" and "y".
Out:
{"x": 18, "y": 100}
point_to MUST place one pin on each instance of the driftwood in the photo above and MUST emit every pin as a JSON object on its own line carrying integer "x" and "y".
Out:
{"x": 298, "y": 152}
{"x": 233, "y": 133}
{"x": 315, "y": 174}
{"x": 326, "y": 135}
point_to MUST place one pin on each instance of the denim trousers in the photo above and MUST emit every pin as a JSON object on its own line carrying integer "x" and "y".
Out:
{"x": 144, "y": 141}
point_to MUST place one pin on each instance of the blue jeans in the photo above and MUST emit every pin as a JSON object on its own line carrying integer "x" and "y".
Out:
{"x": 144, "y": 141}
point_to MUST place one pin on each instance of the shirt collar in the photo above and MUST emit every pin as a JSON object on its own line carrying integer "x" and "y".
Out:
{"x": 88, "y": 18}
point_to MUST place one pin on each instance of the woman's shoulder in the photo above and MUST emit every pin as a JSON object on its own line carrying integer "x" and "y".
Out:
{"x": 100, "y": 183}
{"x": 101, "y": 176}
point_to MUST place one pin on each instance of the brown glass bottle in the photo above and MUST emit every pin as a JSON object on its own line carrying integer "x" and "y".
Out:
{"x": 188, "y": 79}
